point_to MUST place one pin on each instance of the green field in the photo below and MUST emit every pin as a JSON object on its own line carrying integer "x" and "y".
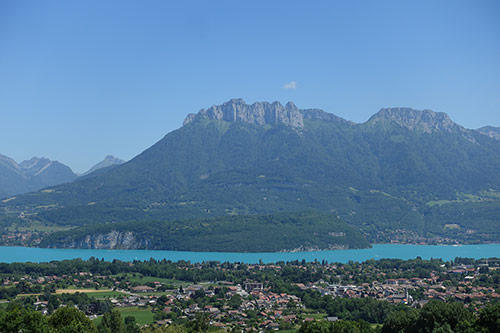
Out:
{"x": 145, "y": 279}
{"x": 490, "y": 195}
{"x": 317, "y": 316}
{"x": 142, "y": 316}
{"x": 105, "y": 294}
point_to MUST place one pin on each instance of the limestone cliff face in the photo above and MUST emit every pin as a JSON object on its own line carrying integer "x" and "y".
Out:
{"x": 265, "y": 113}
{"x": 262, "y": 113}
{"x": 259, "y": 113}
{"x": 109, "y": 241}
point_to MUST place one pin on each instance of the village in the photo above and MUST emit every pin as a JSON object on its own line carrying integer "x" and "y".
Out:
{"x": 253, "y": 297}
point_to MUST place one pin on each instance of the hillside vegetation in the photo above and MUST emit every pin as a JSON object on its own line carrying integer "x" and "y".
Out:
{"x": 269, "y": 233}
{"x": 403, "y": 172}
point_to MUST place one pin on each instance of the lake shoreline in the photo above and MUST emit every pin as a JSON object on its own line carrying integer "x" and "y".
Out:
{"x": 297, "y": 250}
{"x": 9, "y": 254}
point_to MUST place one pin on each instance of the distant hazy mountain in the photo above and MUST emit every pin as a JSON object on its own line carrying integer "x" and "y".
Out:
{"x": 106, "y": 162}
{"x": 12, "y": 180}
{"x": 31, "y": 175}
{"x": 404, "y": 171}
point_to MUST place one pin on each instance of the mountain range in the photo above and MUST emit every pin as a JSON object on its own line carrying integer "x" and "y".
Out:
{"x": 31, "y": 175}
{"x": 406, "y": 175}
{"x": 38, "y": 173}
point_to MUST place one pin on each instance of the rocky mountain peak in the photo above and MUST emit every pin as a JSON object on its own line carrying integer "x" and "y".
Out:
{"x": 113, "y": 159}
{"x": 106, "y": 162}
{"x": 492, "y": 132}
{"x": 261, "y": 113}
{"x": 35, "y": 165}
{"x": 424, "y": 120}
{"x": 34, "y": 162}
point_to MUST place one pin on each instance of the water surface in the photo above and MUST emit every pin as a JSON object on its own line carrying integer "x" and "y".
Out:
{"x": 10, "y": 254}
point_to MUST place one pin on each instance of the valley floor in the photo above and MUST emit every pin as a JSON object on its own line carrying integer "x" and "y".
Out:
{"x": 291, "y": 296}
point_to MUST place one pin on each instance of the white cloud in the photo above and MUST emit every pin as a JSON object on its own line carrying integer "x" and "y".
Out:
{"x": 290, "y": 85}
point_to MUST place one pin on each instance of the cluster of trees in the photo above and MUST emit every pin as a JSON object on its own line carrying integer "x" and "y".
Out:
{"x": 17, "y": 319}
{"x": 342, "y": 326}
{"x": 435, "y": 317}
{"x": 157, "y": 268}
{"x": 89, "y": 305}
{"x": 64, "y": 320}
{"x": 353, "y": 309}
{"x": 438, "y": 316}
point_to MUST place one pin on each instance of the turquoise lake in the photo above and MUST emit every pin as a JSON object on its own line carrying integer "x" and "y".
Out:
{"x": 446, "y": 252}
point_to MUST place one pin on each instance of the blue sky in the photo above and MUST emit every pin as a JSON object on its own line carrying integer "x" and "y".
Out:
{"x": 83, "y": 79}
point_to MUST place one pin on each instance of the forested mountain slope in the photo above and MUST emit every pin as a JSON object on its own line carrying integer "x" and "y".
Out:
{"x": 403, "y": 169}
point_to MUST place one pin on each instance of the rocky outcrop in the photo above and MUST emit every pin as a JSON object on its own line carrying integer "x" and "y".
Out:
{"x": 261, "y": 113}
{"x": 424, "y": 120}
{"x": 109, "y": 241}
{"x": 265, "y": 113}
{"x": 492, "y": 132}
{"x": 189, "y": 118}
